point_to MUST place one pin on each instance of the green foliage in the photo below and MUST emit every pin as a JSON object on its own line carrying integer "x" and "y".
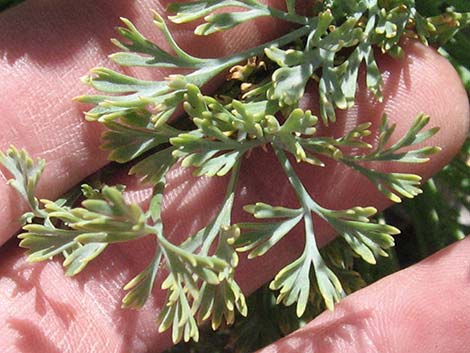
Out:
{"x": 257, "y": 108}
{"x": 5, "y": 4}
{"x": 26, "y": 174}
{"x": 355, "y": 26}
{"x": 439, "y": 216}
{"x": 82, "y": 233}
{"x": 267, "y": 321}
{"x": 457, "y": 49}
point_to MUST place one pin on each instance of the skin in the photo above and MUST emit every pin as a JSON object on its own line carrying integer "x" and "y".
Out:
{"x": 421, "y": 309}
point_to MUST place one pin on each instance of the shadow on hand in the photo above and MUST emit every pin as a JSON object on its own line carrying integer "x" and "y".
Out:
{"x": 31, "y": 337}
{"x": 27, "y": 278}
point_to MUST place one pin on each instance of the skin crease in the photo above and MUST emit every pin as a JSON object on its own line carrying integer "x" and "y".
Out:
{"x": 44, "y": 311}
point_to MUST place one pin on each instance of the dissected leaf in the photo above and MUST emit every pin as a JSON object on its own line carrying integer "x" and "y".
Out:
{"x": 259, "y": 106}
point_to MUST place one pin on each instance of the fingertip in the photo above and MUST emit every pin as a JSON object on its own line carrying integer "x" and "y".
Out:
{"x": 425, "y": 82}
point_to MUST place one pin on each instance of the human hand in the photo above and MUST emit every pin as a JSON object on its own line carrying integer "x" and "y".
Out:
{"x": 46, "y": 45}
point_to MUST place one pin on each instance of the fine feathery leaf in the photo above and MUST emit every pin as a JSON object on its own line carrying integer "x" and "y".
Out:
{"x": 140, "y": 51}
{"x": 396, "y": 185}
{"x": 257, "y": 106}
{"x": 358, "y": 26}
{"x": 201, "y": 286}
{"x": 413, "y": 136}
{"x": 26, "y": 173}
{"x": 190, "y": 11}
{"x": 153, "y": 168}
{"x": 140, "y": 287}
{"x": 368, "y": 240}
{"x": 293, "y": 281}
{"x": 86, "y": 231}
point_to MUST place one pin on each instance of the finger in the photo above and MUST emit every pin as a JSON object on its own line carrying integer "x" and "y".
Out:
{"x": 45, "y": 47}
{"x": 421, "y": 309}
{"x": 30, "y": 296}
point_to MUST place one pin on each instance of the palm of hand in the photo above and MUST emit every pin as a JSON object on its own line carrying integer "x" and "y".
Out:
{"x": 82, "y": 310}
